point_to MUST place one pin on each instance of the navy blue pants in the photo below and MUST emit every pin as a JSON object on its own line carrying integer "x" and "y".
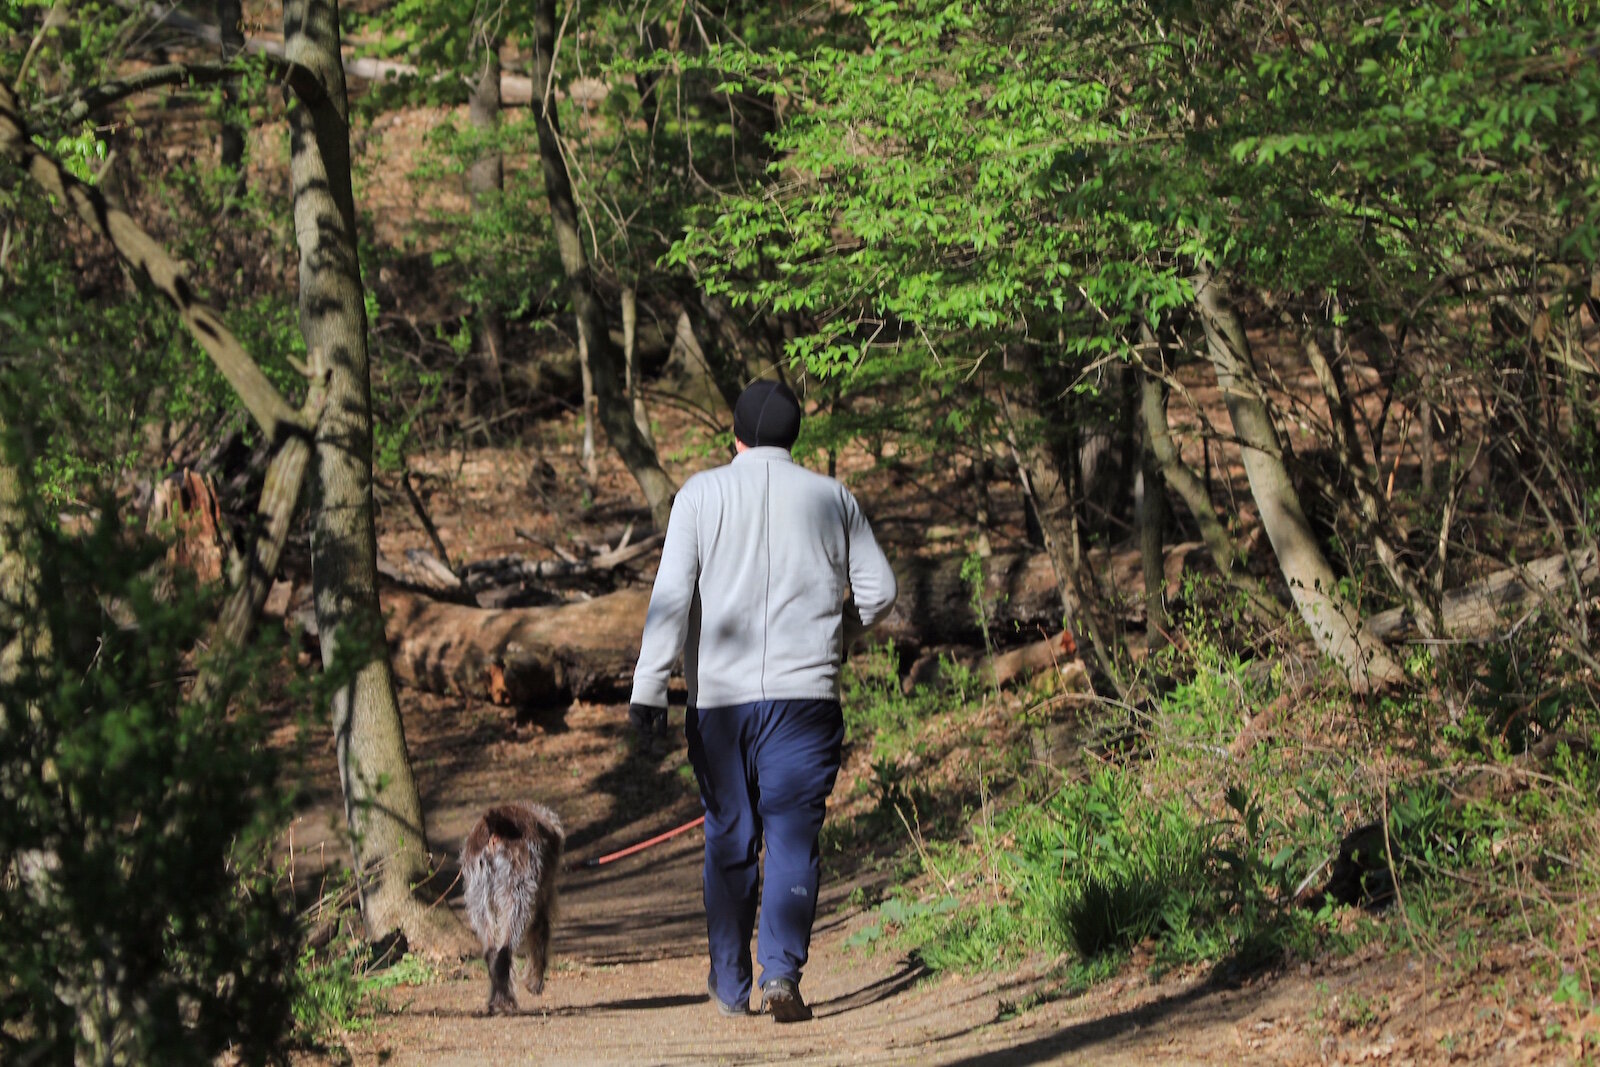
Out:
{"x": 765, "y": 770}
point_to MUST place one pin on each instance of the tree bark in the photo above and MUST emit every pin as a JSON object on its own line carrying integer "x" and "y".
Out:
{"x": 381, "y": 799}
{"x": 1333, "y": 621}
{"x": 591, "y": 463}
{"x": 1181, "y": 478}
{"x": 630, "y": 356}
{"x": 230, "y": 20}
{"x": 1040, "y": 465}
{"x": 485, "y": 182}
{"x": 615, "y": 414}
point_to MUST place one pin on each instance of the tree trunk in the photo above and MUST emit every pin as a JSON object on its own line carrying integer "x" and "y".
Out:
{"x": 1039, "y": 462}
{"x": 614, "y": 411}
{"x": 381, "y": 799}
{"x": 630, "y": 356}
{"x": 687, "y": 362}
{"x": 1152, "y": 520}
{"x": 230, "y": 19}
{"x": 485, "y": 181}
{"x": 1382, "y": 529}
{"x": 1181, "y": 478}
{"x": 1333, "y": 621}
{"x": 591, "y": 463}
{"x": 280, "y": 497}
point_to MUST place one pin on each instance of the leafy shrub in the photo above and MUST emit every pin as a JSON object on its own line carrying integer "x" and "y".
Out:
{"x": 142, "y": 925}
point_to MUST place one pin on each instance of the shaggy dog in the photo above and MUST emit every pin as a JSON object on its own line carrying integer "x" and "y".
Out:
{"x": 509, "y": 862}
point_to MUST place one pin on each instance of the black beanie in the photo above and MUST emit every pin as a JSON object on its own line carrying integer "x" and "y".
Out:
{"x": 767, "y": 414}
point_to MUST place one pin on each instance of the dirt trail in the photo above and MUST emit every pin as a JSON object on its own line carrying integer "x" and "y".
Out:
{"x": 628, "y": 983}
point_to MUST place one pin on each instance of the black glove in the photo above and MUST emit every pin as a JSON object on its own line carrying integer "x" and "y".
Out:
{"x": 647, "y": 721}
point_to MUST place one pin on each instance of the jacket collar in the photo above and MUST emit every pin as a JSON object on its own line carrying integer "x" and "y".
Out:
{"x": 765, "y": 454}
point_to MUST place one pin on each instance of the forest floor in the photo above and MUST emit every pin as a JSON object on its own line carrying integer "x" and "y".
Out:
{"x": 628, "y": 981}
{"x": 627, "y": 985}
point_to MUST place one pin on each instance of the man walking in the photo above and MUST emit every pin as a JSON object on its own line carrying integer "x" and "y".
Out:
{"x": 757, "y": 559}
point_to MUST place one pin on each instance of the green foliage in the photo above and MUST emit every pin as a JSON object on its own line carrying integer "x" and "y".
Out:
{"x": 134, "y": 823}
{"x": 336, "y": 987}
{"x": 881, "y": 714}
{"x": 1193, "y": 854}
{"x": 127, "y": 386}
{"x": 957, "y": 183}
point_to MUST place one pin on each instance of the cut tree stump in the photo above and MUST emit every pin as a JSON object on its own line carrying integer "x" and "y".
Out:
{"x": 186, "y": 506}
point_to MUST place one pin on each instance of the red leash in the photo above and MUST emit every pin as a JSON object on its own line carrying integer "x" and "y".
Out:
{"x": 642, "y": 845}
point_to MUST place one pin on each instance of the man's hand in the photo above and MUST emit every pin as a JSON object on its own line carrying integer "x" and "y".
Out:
{"x": 647, "y": 721}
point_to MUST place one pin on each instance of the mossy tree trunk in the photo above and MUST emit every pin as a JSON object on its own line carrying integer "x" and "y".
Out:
{"x": 381, "y": 799}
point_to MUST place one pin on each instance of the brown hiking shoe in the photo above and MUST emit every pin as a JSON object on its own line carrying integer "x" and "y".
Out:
{"x": 781, "y": 997}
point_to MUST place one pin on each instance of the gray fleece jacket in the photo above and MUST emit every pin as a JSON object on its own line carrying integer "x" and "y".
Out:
{"x": 751, "y": 589}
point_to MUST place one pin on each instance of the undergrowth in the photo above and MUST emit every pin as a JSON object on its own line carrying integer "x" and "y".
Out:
{"x": 1246, "y": 817}
{"x": 338, "y": 974}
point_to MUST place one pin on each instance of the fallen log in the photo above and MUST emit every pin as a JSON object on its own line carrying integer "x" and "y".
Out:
{"x": 532, "y": 655}
{"x": 1020, "y": 594}
{"x": 515, "y": 89}
{"x": 1478, "y": 610}
{"x": 520, "y": 657}
{"x": 1058, "y": 653}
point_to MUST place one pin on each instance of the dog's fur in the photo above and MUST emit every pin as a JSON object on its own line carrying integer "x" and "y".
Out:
{"x": 510, "y": 862}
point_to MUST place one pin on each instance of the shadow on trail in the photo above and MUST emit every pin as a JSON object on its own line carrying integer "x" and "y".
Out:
{"x": 1085, "y": 1036}
{"x": 909, "y": 973}
{"x": 658, "y": 1003}
{"x": 645, "y": 786}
